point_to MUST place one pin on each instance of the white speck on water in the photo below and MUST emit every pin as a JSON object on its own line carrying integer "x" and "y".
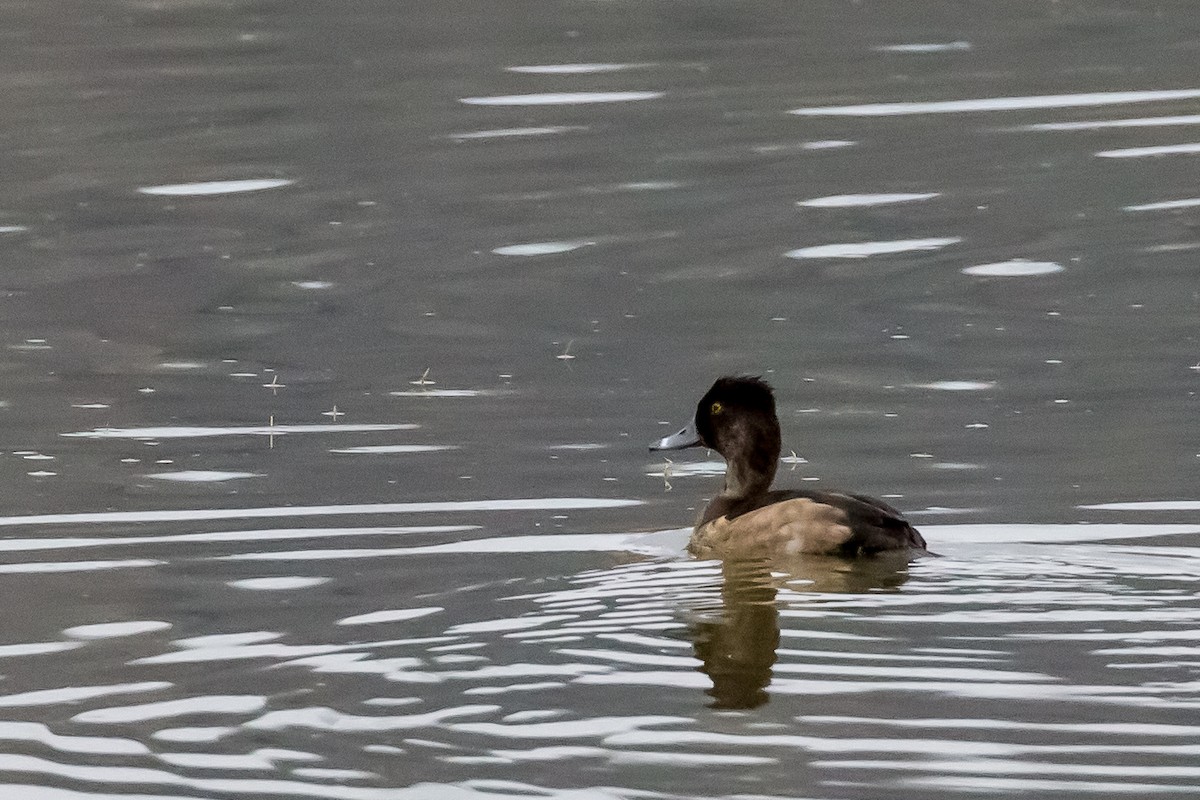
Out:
{"x": 90, "y": 405}
{"x": 180, "y": 365}
{"x": 12, "y": 228}
{"x": 1016, "y": 268}
{"x": 976, "y": 425}
{"x": 313, "y": 285}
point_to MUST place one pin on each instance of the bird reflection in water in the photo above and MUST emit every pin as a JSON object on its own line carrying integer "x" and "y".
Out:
{"x": 736, "y": 644}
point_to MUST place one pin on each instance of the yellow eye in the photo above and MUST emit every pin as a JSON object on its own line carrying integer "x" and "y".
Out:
{"x": 716, "y": 408}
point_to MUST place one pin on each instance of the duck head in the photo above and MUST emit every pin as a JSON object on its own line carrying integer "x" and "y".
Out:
{"x": 736, "y": 417}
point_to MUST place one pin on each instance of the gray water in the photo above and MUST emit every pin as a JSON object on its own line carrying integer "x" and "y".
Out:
{"x": 334, "y": 334}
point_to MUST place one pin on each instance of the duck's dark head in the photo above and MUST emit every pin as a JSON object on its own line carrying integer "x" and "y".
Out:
{"x": 736, "y": 417}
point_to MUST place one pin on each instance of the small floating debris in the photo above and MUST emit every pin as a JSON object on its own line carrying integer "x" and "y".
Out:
{"x": 214, "y": 187}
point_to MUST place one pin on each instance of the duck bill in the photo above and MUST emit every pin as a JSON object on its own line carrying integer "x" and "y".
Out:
{"x": 688, "y": 437}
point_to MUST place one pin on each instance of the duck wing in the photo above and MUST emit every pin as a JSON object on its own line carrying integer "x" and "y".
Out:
{"x": 875, "y": 526}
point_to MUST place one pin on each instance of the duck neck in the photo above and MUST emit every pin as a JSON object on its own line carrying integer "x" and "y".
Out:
{"x": 749, "y": 472}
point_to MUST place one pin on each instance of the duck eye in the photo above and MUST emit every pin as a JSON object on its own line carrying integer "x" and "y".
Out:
{"x": 716, "y": 408}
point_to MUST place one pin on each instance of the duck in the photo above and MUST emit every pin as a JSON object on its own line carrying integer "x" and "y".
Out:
{"x": 737, "y": 419}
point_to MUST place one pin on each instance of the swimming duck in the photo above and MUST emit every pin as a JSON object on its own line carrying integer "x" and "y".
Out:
{"x": 737, "y": 419}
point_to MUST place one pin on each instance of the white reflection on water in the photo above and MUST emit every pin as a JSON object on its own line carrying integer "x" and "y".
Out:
{"x": 957, "y": 386}
{"x": 1148, "y": 505}
{"x": 574, "y": 69}
{"x": 214, "y": 187}
{"x": 267, "y": 535}
{"x": 197, "y": 431}
{"x": 541, "y": 248}
{"x": 75, "y": 566}
{"x": 114, "y": 630}
{"x": 866, "y": 249}
{"x": 1166, "y": 205}
{"x": 1152, "y": 151}
{"x": 283, "y": 583}
{"x": 202, "y": 476}
{"x": 1100, "y": 124}
{"x": 427, "y": 392}
{"x": 530, "y": 504}
{"x": 561, "y": 98}
{"x": 865, "y": 200}
{"x": 925, "y": 47}
{"x": 75, "y": 694}
{"x": 509, "y": 133}
{"x": 377, "y": 449}
{"x": 1018, "y": 103}
{"x": 1016, "y": 268}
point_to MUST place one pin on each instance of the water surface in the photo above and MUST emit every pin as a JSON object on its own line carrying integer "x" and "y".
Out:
{"x": 333, "y": 337}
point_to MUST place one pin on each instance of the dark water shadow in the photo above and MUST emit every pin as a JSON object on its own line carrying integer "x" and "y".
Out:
{"x": 737, "y": 645}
